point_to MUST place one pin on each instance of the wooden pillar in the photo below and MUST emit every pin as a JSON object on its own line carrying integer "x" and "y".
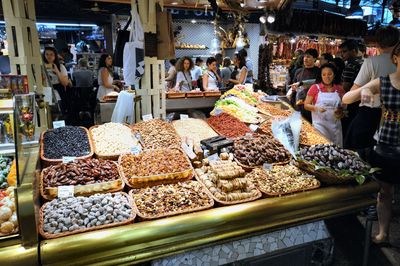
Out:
{"x": 152, "y": 89}
{"x": 108, "y": 38}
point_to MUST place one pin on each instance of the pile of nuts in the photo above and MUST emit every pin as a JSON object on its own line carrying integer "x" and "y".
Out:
{"x": 65, "y": 141}
{"x": 113, "y": 138}
{"x": 195, "y": 129}
{"x": 259, "y": 149}
{"x": 225, "y": 180}
{"x": 228, "y": 126}
{"x": 81, "y": 172}
{"x": 8, "y": 215}
{"x": 310, "y": 136}
{"x": 282, "y": 180}
{"x": 71, "y": 214}
{"x": 154, "y": 162}
{"x": 165, "y": 199}
{"x": 157, "y": 134}
{"x": 272, "y": 110}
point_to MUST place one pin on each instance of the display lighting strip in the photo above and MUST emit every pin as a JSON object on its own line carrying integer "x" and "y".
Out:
{"x": 59, "y": 24}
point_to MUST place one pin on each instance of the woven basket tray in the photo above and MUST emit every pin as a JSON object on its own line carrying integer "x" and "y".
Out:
{"x": 212, "y": 93}
{"x": 112, "y": 157}
{"x": 47, "y": 162}
{"x": 152, "y": 217}
{"x": 143, "y": 181}
{"x": 198, "y": 94}
{"x": 50, "y": 193}
{"x": 51, "y": 236}
{"x": 174, "y": 95}
{"x": 226, "y": 203}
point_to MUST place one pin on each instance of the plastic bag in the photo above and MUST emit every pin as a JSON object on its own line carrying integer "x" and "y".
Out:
{"x": 170, "y": 117}
{"x": 287, "y": 131}
{"x": 124, "y": 110}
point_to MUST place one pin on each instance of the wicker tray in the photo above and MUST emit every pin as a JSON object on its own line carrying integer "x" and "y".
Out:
{"x": 226, "y": 203}
{"x": 51, "y": 236}
{"x": 47, "y": 162}
{"x": 112, "y": 157}
{"x": 147, "y": 217}
{"x": 197, "y": 94}
{"x": 173, "y": 95}
{"x": 212, "y": 93}
{"x": 50, "y": 193}
{"x": 143, "y": 181}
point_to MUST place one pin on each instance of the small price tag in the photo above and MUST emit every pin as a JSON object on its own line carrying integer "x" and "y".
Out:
{"x": 253, "y": 127}
{"x": 184, "y": 117}
{"x": 248, "y": 135}
{"x": 147, "y": 117}
{"x": 57, "y": 124}
{"x": 267, "y": 166}
{"x": 65, "y": 191}
{"x": 213, "y": 157}
{"x": 67, "y": 159}
{"x": 135, "y": 150}
{"x": 189, "y": 152}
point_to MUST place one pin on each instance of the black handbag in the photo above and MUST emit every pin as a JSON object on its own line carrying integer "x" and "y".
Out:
{"x": 122, "y": 38}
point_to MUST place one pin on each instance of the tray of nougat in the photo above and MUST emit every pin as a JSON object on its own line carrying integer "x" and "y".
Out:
{"x": 226, "y": 182}
{"x": 281, "y": 180}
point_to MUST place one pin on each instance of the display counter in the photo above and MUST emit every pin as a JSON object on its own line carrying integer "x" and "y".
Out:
{"x": 145, "y": 241}
{"x": 190, "y": 103}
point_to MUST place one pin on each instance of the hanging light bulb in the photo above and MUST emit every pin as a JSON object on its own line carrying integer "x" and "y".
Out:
{"x": 193, "y": 21}
{"x": 263, "y": 19}
{"x": 242, "y": 3}
{"x": 271, "y": 18}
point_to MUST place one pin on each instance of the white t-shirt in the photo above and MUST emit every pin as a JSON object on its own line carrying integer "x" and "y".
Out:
{"x": 196, "y": 72}
{"x": 212, "y": 83}
{"x": 240, "y": 72}
{"x": 375, "y": 67}
{"x": 186, "y": 79}
{"x": 53, "y": 76}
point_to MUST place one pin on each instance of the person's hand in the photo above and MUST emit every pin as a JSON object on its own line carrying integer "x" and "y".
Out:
{"x": 295, "y": 85}
{"x": 55, "y": 69}
{"x": 320, "y": 109}
{"x": 367, "y": 97}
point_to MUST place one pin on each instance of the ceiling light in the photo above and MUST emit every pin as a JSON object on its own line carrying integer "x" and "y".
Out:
{"x": 174, "y": 3}
{"x": 271, "y": 18}
{"x": 242, "y": 3}
{"x": 193, "y": 21}
{"x": 260, "y": 7}
{"x": 263, "y": 19}
{"x": 355, "y": 12}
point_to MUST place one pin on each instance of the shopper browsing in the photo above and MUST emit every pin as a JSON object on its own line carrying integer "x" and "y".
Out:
{"x": 226, "y": 71}
{"x": 249, "y": 65}
{"x": 197, "y": 71}
{"x": 211, "y": 77}
{"x": 240, "y": 65}
{"x": 183, "y": 76}
{"x": 83, "y": 77}
{"x": 324, "y": 101}
{"x": 57, "y": 74}
{"x": 386, "y": 153}
{"x": 170, "y": 79}
{"x": 105, "y": 77}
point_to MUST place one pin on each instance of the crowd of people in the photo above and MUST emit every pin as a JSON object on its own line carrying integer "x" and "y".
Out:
{"x": 219, "y": 73}
{"x": 354, "y": 101}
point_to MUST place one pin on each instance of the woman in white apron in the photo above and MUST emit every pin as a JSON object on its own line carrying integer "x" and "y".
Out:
{"x": 105, "y": 77}
{"x": 324, "y": 101}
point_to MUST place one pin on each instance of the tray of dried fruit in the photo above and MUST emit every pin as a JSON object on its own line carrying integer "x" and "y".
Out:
{"x": 8, "y": 214}
{"x": 194, "y": 94}
{"x": 170, "y": 199}
{"x": 65, "y": 141}
{"x": 226, "y": 182}
{"x": 253, "y": 151}
{"x": 228, "y": 126}
{"x": 157, "y": 133}
{"x": 160, "y": 165}
{"x": 110, "y": 140}
{"x": 310, "y": 136}
{"x": 282, "y": 180}
{"x": 91, "y": 213}
{"x": 274, "y": 110}
{"x": 88, "y": 176}
{"x": 175, "y": 94}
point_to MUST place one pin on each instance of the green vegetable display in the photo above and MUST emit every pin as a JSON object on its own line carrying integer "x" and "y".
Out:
{"x": 5, "y": 165}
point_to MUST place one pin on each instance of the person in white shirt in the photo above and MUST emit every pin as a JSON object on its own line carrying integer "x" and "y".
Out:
{"x": 197, "y": 71}
{"x": 240, "y": 65}
{"x": 249, "y": 66}
{"x": 183, "y": 76}
{"x": 211, "y": 77}
{"x": 170, "y": 79}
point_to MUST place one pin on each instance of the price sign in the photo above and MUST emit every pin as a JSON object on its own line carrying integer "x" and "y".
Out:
{"x": 267, "y": 166}
{"x": 253, "y": 127}
{"x": 189, "y": 152}
{"x": 213, "y": 157}
{"x": 65, "y": 191}
{"x": 67, "y": 159}
{"x": 57, "y": 124}
{"x": 135, "y": 150}
{"x": 184, "y": 117}
{"x": 147, "y": 117}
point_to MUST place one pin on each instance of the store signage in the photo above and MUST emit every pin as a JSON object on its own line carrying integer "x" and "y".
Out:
{"x": 189, "y": 151}
{"x": 190, "y": 13}
{"x": 65, "y": 191}
{"x": 253, "y": 127}
{"x": 184, "y": 117}
{"x": 135, "y": 150}
{"x": 68, "y": 159}
{"x": 147, "y": 117}
{"x": 57, "y": 124}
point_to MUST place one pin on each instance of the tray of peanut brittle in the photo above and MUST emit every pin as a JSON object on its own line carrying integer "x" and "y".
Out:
{"x": 282, "y": 180}
{"x": 226, "y": 182}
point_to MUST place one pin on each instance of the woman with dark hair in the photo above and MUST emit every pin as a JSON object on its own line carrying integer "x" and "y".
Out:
{"x": 240, "y": 62}
{"x": 324, "y": 102}
{"x": 386, "y": 153}
{"x": 183, "y": 76}
{"x": 170, "y": 79}
{"x": 211, "y": 77}
{"x": 57, "y": 74}
{"x": 339, "y": 64}
{"x": 105, "y": 77}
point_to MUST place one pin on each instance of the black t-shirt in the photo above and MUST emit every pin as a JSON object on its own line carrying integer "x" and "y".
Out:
{"x": 306, "y": 73}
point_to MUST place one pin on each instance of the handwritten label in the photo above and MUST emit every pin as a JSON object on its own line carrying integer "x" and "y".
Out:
{"x": 184, "y": 117}
{"x": 68, "y": 159}
{"x": 267, "y": 166}
{"x": 213, "y": 157}
{"x": 147, "y": 117}
{"x": 135, "y": 150}
{"x": 189, "y": 152}
{"x": 65, "y": 191}
{"x": 253, "y": 127}
{"x": 57, "y": 124}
